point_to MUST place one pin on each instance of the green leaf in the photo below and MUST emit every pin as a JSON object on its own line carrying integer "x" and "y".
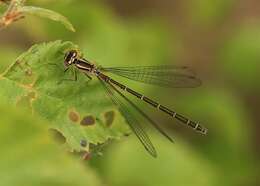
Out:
{"x": 33, "y": 81}
{"x": 28, "y": 156}
{"x": 42, "y": 12}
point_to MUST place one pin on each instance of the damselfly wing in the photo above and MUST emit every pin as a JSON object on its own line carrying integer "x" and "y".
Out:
{"x": 164, "y": 76}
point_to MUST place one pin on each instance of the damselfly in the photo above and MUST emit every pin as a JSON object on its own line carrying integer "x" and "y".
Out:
{"x": 165, "y": 76}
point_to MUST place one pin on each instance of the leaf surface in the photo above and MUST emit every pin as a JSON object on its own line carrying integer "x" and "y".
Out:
{"x": 46, "y": 13}
{"x": 33, "y": 80}
{"x": 30, "y": 158}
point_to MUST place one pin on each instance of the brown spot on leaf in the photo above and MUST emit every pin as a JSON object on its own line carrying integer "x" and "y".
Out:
{"x": 18, "y": 62}
{"x": 28, "y": 72}
{"x": 32, "y": 95}
{"x": 73, "y": 116}
{"x": 88, "y": 120}
{"x": 109, "y": 118}
{"x": 57, "y": 136}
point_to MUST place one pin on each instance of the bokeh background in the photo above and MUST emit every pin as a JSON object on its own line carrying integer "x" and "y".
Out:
{"x": 220, "y": 40}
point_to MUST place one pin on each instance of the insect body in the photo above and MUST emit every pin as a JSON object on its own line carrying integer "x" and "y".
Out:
{"x": 165, "y": 76}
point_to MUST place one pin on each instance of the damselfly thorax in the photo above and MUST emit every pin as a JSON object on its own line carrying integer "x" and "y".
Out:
{"x": 164, "y": 76}
{"x": 72, "y": 58}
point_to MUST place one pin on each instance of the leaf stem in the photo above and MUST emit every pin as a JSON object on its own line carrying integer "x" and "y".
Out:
{"x": 11, "y": 14}
{"x": 16, "y": 11}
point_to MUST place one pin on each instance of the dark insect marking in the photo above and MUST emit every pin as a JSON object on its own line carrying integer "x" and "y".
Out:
{"x": 87, "y": 121}
{"x": 192, "y": 124}
{"x": 84, "y": 65}
{"x": 103, "y": 77}
{"x": 134, "y": 92}
{"x": 166, "y": 110}
{"x": 181, "y": 118}
{"x": 203, "y": 131}
{"x": 74, "y": 116}
{"x": 118, "y": 84}
{"x": 199, "y": 128}
{"x": 151, "y": 102}
{"x": 109, "y": 118}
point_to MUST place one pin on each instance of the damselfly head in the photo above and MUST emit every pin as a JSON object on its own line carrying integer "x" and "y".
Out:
{"x": 69, "y": 57}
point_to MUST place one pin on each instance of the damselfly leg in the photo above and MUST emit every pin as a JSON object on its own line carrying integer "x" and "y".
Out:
{"x": 164, "y": 76}
{"x": 75, "y": 76}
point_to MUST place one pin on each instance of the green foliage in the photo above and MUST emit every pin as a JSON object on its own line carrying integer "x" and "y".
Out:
{"x": 134, "y": 44}
{"x": 29, "y": 157}
{"x": 16, "y": 10}
{"x": 42, "y": 12}
{"x": 104, "y": 38}
{"x": 34, "y": 80}
{"x": 224, "y": 157}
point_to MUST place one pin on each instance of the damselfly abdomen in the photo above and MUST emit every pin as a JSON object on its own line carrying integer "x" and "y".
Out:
{"x": 165, "y": 76}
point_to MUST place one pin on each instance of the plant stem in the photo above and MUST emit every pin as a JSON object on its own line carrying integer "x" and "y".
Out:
{"x": 11, "y": 14}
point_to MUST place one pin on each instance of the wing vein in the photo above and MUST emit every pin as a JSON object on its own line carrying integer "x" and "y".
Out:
{"x": 164, "y": 76}
{"x": 130, "y": 119}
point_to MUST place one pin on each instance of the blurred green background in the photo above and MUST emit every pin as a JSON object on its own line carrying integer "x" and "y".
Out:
{"x": 220, "y": 40}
